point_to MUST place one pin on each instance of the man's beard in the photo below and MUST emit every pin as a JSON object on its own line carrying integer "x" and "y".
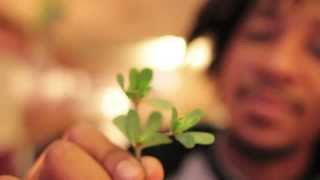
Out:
{"x": 249, "y": 87}
{"x": 260, "y": 154}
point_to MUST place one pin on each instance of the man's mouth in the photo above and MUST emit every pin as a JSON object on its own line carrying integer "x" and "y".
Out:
{"x": 260, "y": 121}
{"x": 266, "y": 107}
{"x": 268, "y": 100}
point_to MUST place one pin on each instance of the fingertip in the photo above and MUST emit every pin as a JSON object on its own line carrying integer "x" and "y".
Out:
{"x": 153, "y": 167}
{"x": 123, "y": 166}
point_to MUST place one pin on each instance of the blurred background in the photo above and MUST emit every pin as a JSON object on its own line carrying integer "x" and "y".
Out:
{"x": 59, "y": 60}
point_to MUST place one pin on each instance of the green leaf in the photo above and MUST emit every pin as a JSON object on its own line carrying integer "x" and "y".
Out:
{"x": 144, "y": 82}
{"x": 154, "y": 121}
{"x": 186, "y": 140}
{"x": 156, "y": 139}
{"x": 121, "y": 123}
{"x": 131, "y": 95}
{"x": 174, "y": 119}
{"x": 133, "y": 126}
{"x": 120, "y": 80}
{"x": 144, "y": 92}
{"x": 133, "y": 81}
{"x": 190, "y": 139}
{"x": 202, "y": 138}
{"x": 153, "y": 125}
{"x": 146, "y": 77}
{"x": 189, "y": 121}
{"x": 139, "y": 83}
{"x": 160, "y": 103}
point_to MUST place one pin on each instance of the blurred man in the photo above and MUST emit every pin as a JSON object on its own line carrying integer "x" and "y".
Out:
{"x": 269, "y": 82}
{"x": 268, "y": 79}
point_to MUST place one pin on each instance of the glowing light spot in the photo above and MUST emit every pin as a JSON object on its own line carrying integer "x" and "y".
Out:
{"x": 114, "y": 103}
{"x": 165, "y": 53}
{"x": 57, "y": 84}
{"x": 199, "y": 54}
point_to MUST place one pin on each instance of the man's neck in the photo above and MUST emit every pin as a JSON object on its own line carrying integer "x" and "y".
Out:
{"x": 286, "y": 168}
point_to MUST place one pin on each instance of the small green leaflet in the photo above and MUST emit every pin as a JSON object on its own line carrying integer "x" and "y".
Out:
{"x": 129, "y": 125}
{"x": 156, "y": 139}
{"x": 134, "y": 80}
{"x": 153, "y": 126}
{"x": 174, "y": 120}
{"x": 154, "y": 121}
{"x": 186, "y": 140}
{"x": 190, "y": 139}
{"x": 121, "y": 123}
{"x": 202, "y": 138}
{"x": 160, "y": 103}
{"x": 188, "y": 121}
{"x": 145, "y": 77}
{"x": 133, "y": 126}
{"x": 131, "y": 95}
{"x": 120, "y": 80}
{"x": 144, "y": 82}
{"x": 139, "y": 83}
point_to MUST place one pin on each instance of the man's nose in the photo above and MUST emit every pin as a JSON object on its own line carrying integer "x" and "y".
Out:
{"x": 281, "y": 64}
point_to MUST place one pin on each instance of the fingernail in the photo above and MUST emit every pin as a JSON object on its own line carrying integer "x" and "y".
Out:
{"x": 128, "y": 170}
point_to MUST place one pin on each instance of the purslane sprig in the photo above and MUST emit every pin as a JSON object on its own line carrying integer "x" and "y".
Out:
{"x": 149, "y": 135}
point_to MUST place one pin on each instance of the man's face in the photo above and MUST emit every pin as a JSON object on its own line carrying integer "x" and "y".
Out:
{"x": 270, "y": 81}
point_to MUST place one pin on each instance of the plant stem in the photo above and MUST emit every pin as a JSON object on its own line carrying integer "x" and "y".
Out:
{"x": 168, "y": 133}
{"x": 138, "y": 152}
{"x": 137, "y": 147}
{"x": 136, "y": 104}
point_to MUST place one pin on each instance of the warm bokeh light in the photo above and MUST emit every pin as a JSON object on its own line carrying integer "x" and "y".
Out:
{"x": 114, "y": 102}
{"x": 58, "y": 83}
{"x": 199, "y": 54}
{"x": 165, "y": 53}
{"x": 114, "y": 134}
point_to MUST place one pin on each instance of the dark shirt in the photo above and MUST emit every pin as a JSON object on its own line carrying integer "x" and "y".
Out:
{"x": 184, "y": 164}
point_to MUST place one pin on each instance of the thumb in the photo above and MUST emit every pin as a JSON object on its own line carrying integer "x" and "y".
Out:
{"x": 8, "y": 178}
{"x": 153, "y": 167}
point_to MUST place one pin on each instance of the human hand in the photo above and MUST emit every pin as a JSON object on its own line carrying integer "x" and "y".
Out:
{"x": 84, "y": 153}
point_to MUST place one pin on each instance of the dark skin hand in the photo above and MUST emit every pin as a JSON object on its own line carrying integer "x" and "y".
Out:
{"x": 84, "y": 153}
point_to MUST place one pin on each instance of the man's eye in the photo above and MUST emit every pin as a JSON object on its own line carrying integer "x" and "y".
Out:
{"x": 260, "y": 35}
